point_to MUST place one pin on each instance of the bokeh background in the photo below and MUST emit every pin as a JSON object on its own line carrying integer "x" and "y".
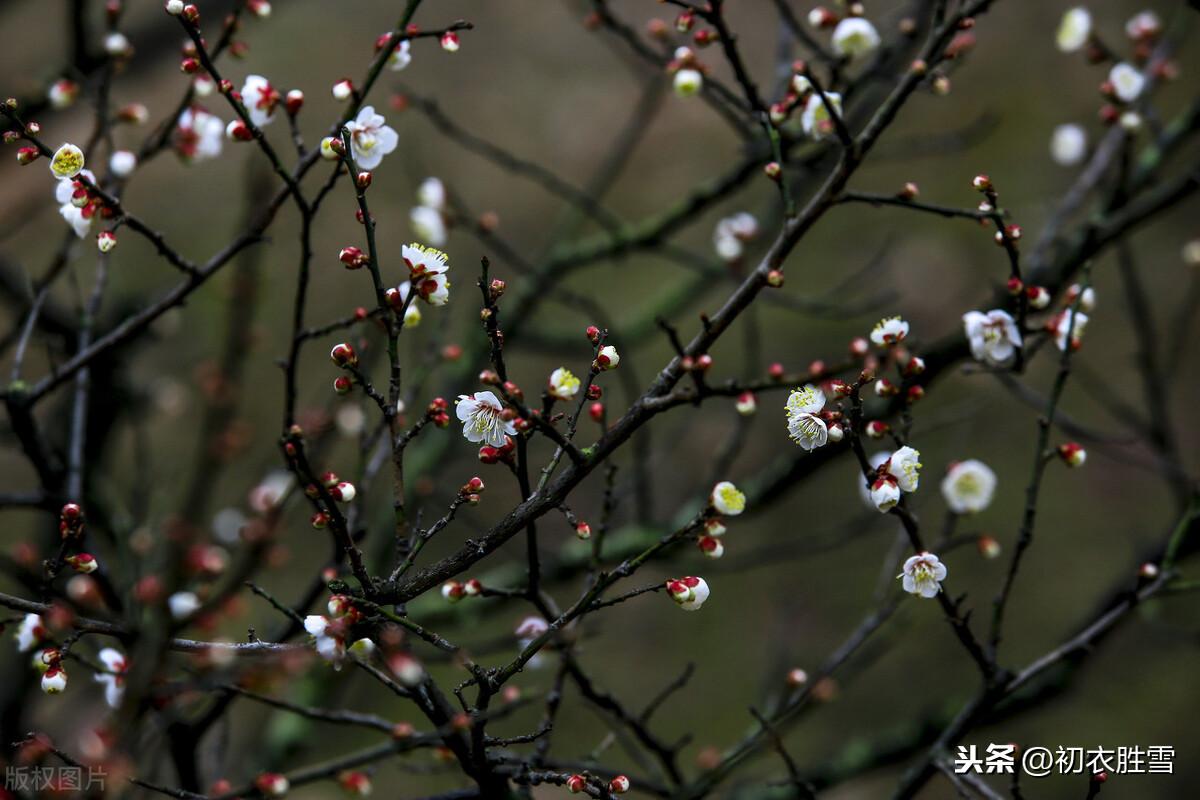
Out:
{"x": 800, "y": 570}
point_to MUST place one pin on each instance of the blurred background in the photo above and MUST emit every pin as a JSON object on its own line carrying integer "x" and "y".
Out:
{"x": 803, "y": 566}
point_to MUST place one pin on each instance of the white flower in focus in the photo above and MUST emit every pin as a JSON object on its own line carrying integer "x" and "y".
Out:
{"x": 260, "y": 99}
{"x": 923, "y": 575}
{"x": 428, "y": 224}
{"x": 183, "y": 604}
{"x": 690, "y": 592}
{"x": 483, "y": 420}
{"x": 370, "y": 138}
{"x": 969, "y": 486}
{"x": 67, "y": 161}
{"x": 401, "y": 57}
{"x": 608, "y": 357}
{"x": 122, "y": 163}
{"x": 427, "y": 268}
{"x": 889, "y": 330}
{"x": 727, "y": 500}
{"x": 993, "y": 336}
{"x": 1068, "y": 146}
{"x": 563, "y": 384}
{"x": 816, "y": 120}
{"x": 1074, "y": 30}
{"x": 885, "y": 494}
{"x": 198, "y": 135}
{"x": 854, "y": 37}
{"x": 114, "y": 676}
{"x": 804, "y": 424}
{"x": 1127, "y": 82}
{"x": 30, "y": 632}
{"x": 905, "y": 467}
{"x": 688, "y": 82}
{"x": 66, "y": 193}
{"x": 732, "y": 232}
{"x": 1075, "y": 328}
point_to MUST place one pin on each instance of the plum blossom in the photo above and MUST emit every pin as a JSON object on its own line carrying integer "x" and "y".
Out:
{"x": 427, "y": 270}
{"x": 688, "y": 82}
{"x": 563, "y": 384}
{"x": 428, "y": 219}
{"x": 328, "y": 637}
{"x": 62, "y": 93}
{"x": 727, "y": 500}
{"x": 1069, "y": 322}
{"x": 114, "y": 676}
{"x": 732, "y": 233}
{"x": 483, "y": 419}
{"x": 412, "y": 312}
{"x": 31, "y": 632}
{"x": 993, "y": 336}
{"x": 370, "y": 138}
{"x": 1074, "y": 29}
{"x": 122, "y": 163}
{"x": 888, "y": 331}
{"x": 804, "y": 422}
{"x": 815, "y": 119}
{"x": 261, "y": 99}
{"x": 864, "y": 487}
{"x": 1127, "y": 82}
{"x": 969, "y": 486}
{"x": 689, "y": 592}
{"x": 901, "y": 472}
{"x": 67, "y": 161}
{"x": 854, "y": 37}
{"x": 401, "y": 56}
{"x": 55, "y": 680}
{"x": 922, "y": 575}
{"x": 183, "y": 604}
{"x": 76, "y": 206}
{"x": 1068, "y": 146}
{"x": 198, "y": 135}
{"x": 1142, "y": 25}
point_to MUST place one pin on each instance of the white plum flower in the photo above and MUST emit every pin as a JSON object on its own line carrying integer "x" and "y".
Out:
{"x": 689, "y": 592}
{"x": 922, "y": 575}
{"x": 113, "y": 677}
{"x": 198, "y": 135}
{"x": 62, "y": 93}
{"x": 1142, "y": 25}
{"x": 400, "y": 57}
{"x": 732, "y": 233}
{"x": 328, "y": 643}
{"x": 804, "y": 423}
{"x": 483, "y": 419}
{"x": 75, "y": 206}
{"x": 1073, "y": 323}
{"x": 905, "y": 467}
{"x": 563, "y": 384}
{"x": 261, "y": 99}
{"x": 854, "y": 37}
{"x": 370, "y": 138}
{"x": 412, "y": 311}
{"x": 889, "y": 330}
{"x": 993, "y": 336}
{"x": 183, "y": 604}
{"x": 727, "y": 500}
{"x": 30, "y": 633}
{"x": 1086, "y": 296}
{"x": 1068, "y": 146}
{"x": 864, "y": 488}
{"x": 122, "y": 163}
{"x": 55, "y": 680}
{"x": 67, "y": 161}
{"x": 1074, "y": 29}
{"x": 428, "y": 224}
{"x": 885, "y": 493}
{"x": 969, "y": 486}
{"x": 432, "y": 193}
{"x": 1127, "y": 82}
{"x": 815, "y": 119}
{"x": 427, "y": 268}
{"x": 688, "y": 82}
